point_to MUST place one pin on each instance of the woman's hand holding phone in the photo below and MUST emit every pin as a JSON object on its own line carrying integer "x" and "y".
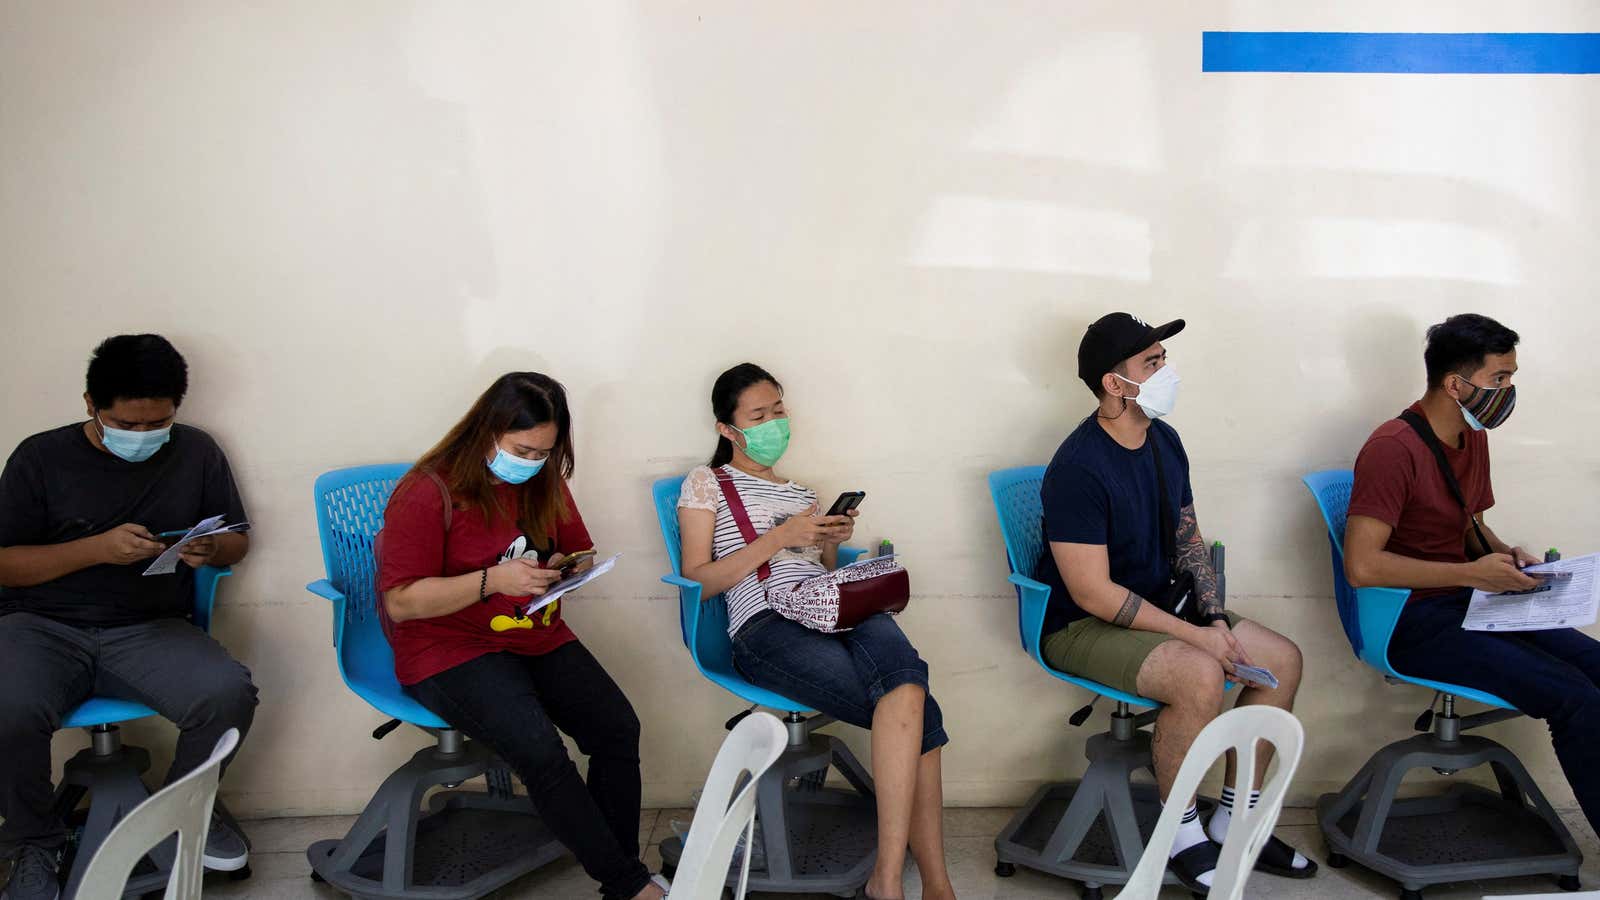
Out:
{"x": 572, "y": 564}
{"x": 521, "y": 578}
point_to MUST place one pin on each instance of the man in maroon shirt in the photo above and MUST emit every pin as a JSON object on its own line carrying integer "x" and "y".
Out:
{"x": 1411, "y": 527}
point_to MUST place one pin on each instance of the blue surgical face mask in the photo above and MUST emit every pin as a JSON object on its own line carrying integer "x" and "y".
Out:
{"x": 133, "y": 446}
{"x": 513, "y": 469}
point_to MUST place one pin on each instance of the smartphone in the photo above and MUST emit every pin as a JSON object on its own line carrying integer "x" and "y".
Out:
{"x": 168, "y": 538}
{"x": 571, "y": 561}
{"x": 847, "y": 501}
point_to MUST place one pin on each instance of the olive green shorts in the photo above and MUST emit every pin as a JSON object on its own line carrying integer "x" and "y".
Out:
{"x": 1097, "y": 650}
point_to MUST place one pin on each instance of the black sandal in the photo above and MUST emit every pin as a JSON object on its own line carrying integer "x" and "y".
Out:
{"x": 1277, "y": 858}
{"x": 1190, "y": 864}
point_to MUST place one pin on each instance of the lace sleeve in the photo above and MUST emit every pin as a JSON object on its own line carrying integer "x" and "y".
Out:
{"x": 700, "y": 490}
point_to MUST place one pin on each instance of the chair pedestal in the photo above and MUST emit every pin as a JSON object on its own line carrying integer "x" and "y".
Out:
{"x": 465, "y": 845}
{"x": 1092, "y": 830}
{"x": 817, "y": 839}
{"x": 1467, "y": 833}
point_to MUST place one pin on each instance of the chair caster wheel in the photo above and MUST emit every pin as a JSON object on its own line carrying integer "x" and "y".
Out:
{"x": 1005, "y": 869}
{"x": 1408, "y": 894}
{"x": 1091, "y": 893}
{"x": 1568, "y": 883}
{"x": 1338, "y": 860}
{"x": 317, "y": 877}
{"x": 239, "y": 874}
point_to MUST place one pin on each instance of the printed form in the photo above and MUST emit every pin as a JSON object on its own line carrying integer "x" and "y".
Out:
{"x": 1569, "y": 601}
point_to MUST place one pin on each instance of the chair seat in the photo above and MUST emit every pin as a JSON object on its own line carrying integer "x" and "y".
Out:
{"x": 105, "y": 711}
{"x": 389, "y": 698}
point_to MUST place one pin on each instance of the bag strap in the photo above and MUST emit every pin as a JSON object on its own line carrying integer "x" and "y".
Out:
{"x": 444, "y": 492}
{"x": 1169, "y": 530}
{"x": 1431, "y": 441}
{"x": 741, "y": 517}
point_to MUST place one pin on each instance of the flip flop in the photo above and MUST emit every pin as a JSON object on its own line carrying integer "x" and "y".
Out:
{"x": 1277, "y": 858}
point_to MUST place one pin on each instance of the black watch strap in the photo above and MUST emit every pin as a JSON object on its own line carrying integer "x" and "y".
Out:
{"x": 1213, "y": 618}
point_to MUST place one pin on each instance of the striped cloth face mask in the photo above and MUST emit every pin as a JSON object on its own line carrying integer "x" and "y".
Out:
{"x": 1488, "y": 407}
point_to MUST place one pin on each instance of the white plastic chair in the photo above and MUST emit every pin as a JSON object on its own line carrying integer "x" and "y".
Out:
{"x": 1238, "y": 730}
{"x": 183, "y": 807}
{"x": 723, "y": 815}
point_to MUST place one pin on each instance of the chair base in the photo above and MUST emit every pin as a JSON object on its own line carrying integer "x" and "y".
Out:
{"x": 1092, "y": 830}
{"x": 1465, "y": 834}
{"x": 467, "y": 843}
{"x": 817, "y": 839}
{"x": 111, "y": 776}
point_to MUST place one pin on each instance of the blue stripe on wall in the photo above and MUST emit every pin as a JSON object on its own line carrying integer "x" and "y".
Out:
{"x": 1333, "y": 51}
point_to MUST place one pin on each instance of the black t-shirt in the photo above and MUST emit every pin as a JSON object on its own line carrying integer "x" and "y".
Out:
{"x": 1097, "y": 491}
{"x": 58, "y": 487}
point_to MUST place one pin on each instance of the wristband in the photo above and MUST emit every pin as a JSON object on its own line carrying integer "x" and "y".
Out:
{"x": 1214, "y": 618}
{"x": 483, "y": 586}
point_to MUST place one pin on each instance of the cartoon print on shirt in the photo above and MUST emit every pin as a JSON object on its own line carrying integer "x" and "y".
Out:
{"x": 519, "y": 549}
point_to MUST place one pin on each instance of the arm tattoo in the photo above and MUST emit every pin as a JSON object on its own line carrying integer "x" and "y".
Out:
{"x": 1129, "y": 610}
{"x": 1195, "y": 558}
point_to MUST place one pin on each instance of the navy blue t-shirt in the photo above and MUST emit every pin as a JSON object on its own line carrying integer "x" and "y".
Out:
{"x": 1097, "y": 491}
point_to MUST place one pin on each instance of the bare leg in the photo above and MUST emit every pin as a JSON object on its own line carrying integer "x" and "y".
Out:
{"x": 1189, "y": 684}
{"x": 896, "y": 749}
{"x": 927, "y": 828}
{"x": 652, "y": 891}
{"x": 1281, "y": 657}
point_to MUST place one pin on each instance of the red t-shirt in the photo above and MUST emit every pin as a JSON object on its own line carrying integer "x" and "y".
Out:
{"x": 1398, "y": 482}
{"x": 415, "y": 546}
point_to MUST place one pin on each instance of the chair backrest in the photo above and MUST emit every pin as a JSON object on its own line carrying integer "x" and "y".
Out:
{"x": 1016, "y": 502}
{"x": 1331, "y": 488}
{"x": 1238, "y": 730}
{"x": 727, "y": 809}
{"x": 705, "y": 640}
{"x": 350, "y": 504}
{"x": 183, "y": 807}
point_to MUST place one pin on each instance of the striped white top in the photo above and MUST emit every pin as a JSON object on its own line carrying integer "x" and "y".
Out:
{"x": 769, "y": 505}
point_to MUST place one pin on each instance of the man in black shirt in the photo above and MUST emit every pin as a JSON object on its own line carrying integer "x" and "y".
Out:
{"x": 82, "y": 512}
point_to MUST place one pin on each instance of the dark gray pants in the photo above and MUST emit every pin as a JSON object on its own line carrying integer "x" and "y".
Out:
{"x": 47, "y": 668}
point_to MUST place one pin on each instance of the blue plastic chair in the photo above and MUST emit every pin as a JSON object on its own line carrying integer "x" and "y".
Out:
{"x": 1509, "y": 833}
{"x": 791, "y": 819}
{"x": 703, "y": 621}
{"x": 111, "y": 774}
{"x": 350, "y": 504}
{"x": 1369, "y": 614}
{"x": 1016, "y": 501}
{"x": 452, "y": 851}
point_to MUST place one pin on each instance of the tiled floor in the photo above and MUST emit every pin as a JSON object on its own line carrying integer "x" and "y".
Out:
{"x": 280, "y": 868}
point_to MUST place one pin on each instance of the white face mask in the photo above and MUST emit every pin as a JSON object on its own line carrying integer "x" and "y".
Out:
{"x": 1158, "y": 394}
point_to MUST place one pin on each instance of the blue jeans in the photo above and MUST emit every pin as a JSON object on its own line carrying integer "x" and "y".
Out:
{"x": 842, "y": 675}
{"x": 514, "y": 704}
{"x": 1550, "y": 675}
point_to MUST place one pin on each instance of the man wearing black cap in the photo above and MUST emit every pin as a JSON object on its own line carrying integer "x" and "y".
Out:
{"x": 1133, "y": 601}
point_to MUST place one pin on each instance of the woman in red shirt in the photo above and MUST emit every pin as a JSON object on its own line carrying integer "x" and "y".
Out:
{"x": 447, "y": 571}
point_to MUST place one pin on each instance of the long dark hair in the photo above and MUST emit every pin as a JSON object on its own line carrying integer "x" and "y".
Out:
{"x": 725, "y": 394}
{"x": 516, "y": 401}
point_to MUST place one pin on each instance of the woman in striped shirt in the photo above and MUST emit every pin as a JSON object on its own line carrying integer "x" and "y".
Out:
{"x": 869, "y": 676}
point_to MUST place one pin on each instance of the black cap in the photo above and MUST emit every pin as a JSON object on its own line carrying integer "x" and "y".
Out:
{"x": 1115, "y": 337}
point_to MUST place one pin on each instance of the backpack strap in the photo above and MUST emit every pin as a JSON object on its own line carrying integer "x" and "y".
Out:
{"x": 741, "y": 517}
{"x": 1431, "y": 441}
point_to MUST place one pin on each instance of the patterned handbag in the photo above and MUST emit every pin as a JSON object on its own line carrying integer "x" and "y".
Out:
{"x": 837, "y": 601}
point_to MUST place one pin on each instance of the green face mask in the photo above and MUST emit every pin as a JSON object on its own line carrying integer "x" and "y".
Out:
{"x": 766, "y": 442}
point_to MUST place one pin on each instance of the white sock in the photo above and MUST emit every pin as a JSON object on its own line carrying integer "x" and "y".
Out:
{"x": 1190, "y": 833}
{"x": 1217, "y": 828}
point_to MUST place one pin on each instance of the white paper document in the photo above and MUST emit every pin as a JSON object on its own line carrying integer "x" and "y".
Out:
{"x": 1567, "y": 602}
{"x": 569, "y": 584}
{"x": 167, "y": 562}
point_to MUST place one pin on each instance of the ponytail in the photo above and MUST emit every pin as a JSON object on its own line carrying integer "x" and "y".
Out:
{"x": 723, "y": 454}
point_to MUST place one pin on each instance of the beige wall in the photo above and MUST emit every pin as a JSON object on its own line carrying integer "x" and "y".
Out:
{"x": 351, "y": 216}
